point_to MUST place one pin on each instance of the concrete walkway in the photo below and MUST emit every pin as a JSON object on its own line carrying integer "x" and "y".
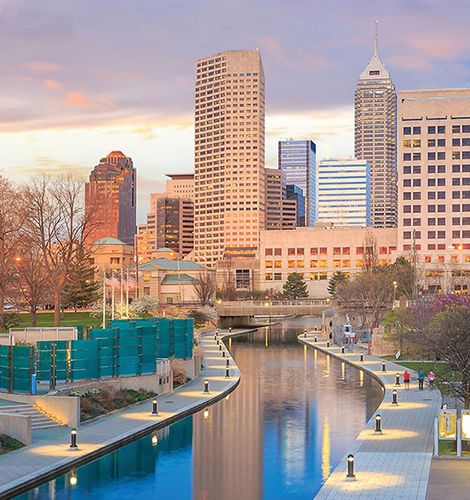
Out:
{"x": 395, "y": 464}
{"x": 49, "y": 455}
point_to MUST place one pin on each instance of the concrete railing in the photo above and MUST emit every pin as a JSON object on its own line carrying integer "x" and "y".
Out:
{"x": 64, "y": 408}
{"x": 16, "y": 426}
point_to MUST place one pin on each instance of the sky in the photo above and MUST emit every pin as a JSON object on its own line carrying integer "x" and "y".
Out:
{"x": 80, "y": 78}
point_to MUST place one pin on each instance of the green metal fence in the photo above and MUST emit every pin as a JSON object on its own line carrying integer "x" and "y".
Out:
{"x": 127, "y": 348}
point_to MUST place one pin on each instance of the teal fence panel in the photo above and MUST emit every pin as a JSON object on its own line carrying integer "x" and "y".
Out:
{"x": 4, "y": 364}
{"x": 22, "y": 368}
{"x": 106, "y": 357}
{"x": 44, "y": 360}
{"x": 164, "y": 333}
{"x": 84, "y": 359}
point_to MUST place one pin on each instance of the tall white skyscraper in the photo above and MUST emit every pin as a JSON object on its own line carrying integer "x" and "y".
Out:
{"x": 229, "y": 155}
{"x": 344, "y": 191}
{"x": 376, "y": 138}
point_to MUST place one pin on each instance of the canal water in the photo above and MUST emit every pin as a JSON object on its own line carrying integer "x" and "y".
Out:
{"x": 279, "y": 435}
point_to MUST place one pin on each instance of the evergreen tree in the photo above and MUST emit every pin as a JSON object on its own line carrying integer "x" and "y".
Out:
{"x": 295, "y": 287}
{"x": 81, "y": 289}
{"x": 337, "y": 278}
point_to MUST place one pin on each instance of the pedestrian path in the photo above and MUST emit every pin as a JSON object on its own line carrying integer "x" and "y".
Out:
{"x": 50, "y": 455}
{"x": 394, "y": 464}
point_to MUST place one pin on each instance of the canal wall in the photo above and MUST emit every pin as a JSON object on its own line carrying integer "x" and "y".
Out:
{"x": 395, "y": 463}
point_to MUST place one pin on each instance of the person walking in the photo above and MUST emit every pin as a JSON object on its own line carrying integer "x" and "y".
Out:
{"x": 431, "y": 378}
{"x": 420, "y": 379}
{"x": 406, "y": 380}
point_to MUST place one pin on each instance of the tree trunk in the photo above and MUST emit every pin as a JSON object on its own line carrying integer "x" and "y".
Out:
{"x": 56, "y": 308}
{"x": 33, "y": 318}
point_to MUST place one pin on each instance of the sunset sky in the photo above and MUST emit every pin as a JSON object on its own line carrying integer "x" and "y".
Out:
{"x": 80, "y": 78}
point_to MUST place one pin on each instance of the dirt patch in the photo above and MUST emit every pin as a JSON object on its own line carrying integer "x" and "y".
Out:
{"x": 7, "y": 444}
{"x": 95, "y": 402}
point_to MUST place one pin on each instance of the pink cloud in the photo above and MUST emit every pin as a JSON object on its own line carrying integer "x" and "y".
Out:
{"x": 409, "y": 61}
{"x": 52, "y": 84}
{"x": 81, "y": 101}
{"x": 42, "y": 66}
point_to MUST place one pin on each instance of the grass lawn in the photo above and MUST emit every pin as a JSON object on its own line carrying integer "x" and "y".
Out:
{"x": 47, "y": 319}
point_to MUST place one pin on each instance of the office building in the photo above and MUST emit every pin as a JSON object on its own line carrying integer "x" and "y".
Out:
{"x": 344, "y": 191}
{"x": 375, "y": 133}
{"x": 110, "y": 199}
{"x": 170, "y": 224}
{"x": 295, "y": 193}
{"x": 434, "y": 187}
{"x": 281, "y": 212}
{"x": 297, "y": 159}
{"x": 180, "y": 186}
{"x": 229, "y": 155}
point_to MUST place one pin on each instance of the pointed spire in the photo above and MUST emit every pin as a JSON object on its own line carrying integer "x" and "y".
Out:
{"x": 376, "y": 41}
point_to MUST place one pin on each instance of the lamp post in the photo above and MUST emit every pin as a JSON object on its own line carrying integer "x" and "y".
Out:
{"x": 351, "y": 474}
{"x": 267, "y": 304}
{"x": 395, "y": 284}
{"x": 73, "y": 439}
{"x": 378, "y": 424}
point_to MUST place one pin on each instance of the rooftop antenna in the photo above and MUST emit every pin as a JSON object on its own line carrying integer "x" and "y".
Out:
{"x": 376, "y": 41}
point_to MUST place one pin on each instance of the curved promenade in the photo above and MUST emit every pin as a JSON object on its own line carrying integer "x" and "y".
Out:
{"x": 395, "y": 464}
{"x": 49, "y": 455}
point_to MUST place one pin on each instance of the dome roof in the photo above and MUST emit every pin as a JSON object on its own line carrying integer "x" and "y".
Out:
{"x": 109, "y": 241}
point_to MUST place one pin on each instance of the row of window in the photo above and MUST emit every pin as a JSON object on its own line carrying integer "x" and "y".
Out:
{"x": 441, "y": 195}
{"x": 324, "y": 250}
{"x": 416, "y": 209}
{"x": 321, "y": 263}
{"x": 432, "y": 143}
{"x": 440, "y": 155}
{"x": 440, "y": 129}
{"x": 440, "y": 221}
{"x": 432, "y": 235}
{"x": 440, "y": 169}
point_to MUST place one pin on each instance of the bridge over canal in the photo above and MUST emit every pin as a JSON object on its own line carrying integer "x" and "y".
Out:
{"x": 241, "y": 313}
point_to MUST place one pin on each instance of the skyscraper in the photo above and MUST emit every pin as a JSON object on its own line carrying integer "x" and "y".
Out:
{"x": 375, "y": 138}
{"x": 344, "y": 191}
{"x": 110, "y": 198}
{"x": 229, "y": 155}
{"x": 281, "y": 212}
{"x": 297, "y": 159}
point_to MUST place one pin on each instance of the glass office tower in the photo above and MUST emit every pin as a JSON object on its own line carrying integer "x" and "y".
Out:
{"x": 297, "y": 159}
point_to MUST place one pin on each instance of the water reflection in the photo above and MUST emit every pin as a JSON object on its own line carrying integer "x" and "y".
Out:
{"x": 279, "y": 435}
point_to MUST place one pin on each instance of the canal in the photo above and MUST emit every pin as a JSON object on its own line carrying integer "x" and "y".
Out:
{"x": 279, "y": 435}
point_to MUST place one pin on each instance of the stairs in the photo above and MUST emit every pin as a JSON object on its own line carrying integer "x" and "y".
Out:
{"x": 39, "y": 418}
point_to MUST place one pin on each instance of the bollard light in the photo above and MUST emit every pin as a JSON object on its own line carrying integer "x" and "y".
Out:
{"x": 215, "y": 336}
{"x": 351, "y": 474}
{"x": 227, "y": 372}
{"x": 220, "y": 347}
{"x": 305, "y": 332}
{"x": 154, "y": 438}
{"x": 223, "y": 354}
{"x": 155, "y": 407}
{"x": 73, "y": 439}
{"x": 217, "y": 332}
{"x": 394, "y": 397}
{"x": 342, "y": 349}
{"x": 217, "y": 341}
{"x": 73, "y": 478}
{"x": 206, "y": 386}
{"x": 383, "y": 366}
{"x": 315, "y": 339}
{"x": 397, "y": 379}
{"x": 228, "y": 362}
{"x": 230, "y": 329}
{"x": 362, "y": 357}
{"x": 206, "y": 413}
{"x": 327, "y": 343}
{"x": 378, "y": 424}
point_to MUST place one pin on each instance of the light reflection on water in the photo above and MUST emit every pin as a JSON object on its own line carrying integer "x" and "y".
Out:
{"x": 278, "y": 436}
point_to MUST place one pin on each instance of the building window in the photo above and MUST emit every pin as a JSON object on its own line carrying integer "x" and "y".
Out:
{"x": 300, "y": 263}
{"x": 114, "y": 260}
{"x": 277, "y": 276}
{"x": 314, "y": 263}
{"x": 346, "y": 263}
{"x": 291, "y": 251}
{"x": 359, "y": 263}
{"x": 314, "y": 251}
{"x": 323, "y": 263}
{"x": 291, "y": 263}
{"x": 278, "y": 264}
{"x": 268, "y": 276}
{"x": 268, "y": 264}
{"x": 346, "y": 250}
{"x": 268, "y": 251}
{"x": 336, "y": 263}
{"x": 300, "y": 251}
{"x": 323, "y": 250}
{"x": 278, "y": 251}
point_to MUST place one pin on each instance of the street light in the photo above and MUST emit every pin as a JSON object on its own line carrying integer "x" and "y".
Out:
{"x": 395, "y": 284}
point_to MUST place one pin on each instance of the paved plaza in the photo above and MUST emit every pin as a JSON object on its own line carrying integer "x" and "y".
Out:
{"x": 50, "y": 453}
{"x": 395, "y": 464}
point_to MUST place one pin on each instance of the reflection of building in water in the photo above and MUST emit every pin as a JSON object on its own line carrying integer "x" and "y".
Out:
{"x": 233, "y": 429}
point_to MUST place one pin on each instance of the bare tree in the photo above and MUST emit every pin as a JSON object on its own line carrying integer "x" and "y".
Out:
{"x": 12, "y": 217}
{"x": 229, "y": 287}
{"x": 33, "y": 280}
{"x": 371, "y": 252}
{"x": 204, "y": 287}
{"x": 58, "y": 225}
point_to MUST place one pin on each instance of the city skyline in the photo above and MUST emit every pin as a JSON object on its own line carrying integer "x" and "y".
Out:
{"x": 73, "y": 88}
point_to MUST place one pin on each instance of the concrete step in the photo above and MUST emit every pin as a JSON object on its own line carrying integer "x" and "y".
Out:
{"x": 39, "y": 418}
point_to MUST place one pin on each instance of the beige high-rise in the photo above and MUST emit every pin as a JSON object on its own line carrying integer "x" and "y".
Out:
{"x": 375, "y": 138}
{"x": 229, "y": 155}
{"x": 434, "y": 187}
